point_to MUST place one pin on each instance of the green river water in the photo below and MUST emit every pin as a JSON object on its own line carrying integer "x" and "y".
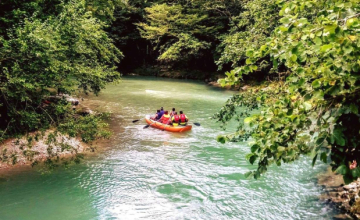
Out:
{"x": 154, "y": 174}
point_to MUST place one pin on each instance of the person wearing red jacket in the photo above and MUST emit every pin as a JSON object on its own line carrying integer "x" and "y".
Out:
{"x": 175, "y": 119}
{"x": 165, "y": 119}
{"x": 183, "y": 118}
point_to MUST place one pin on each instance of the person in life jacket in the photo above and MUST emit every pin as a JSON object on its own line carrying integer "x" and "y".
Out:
{"x": 165, "y": 119}
{"x": 175, "y": 119}
{"x": 183, "y": 118}
{"x": 172, "y": 113}
{"x": 156, "y": 117}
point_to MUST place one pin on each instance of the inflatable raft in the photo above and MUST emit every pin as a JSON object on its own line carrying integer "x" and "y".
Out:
{"x": 168, "y": 127}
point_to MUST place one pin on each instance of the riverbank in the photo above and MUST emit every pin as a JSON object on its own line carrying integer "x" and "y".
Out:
{"x": 38, "y": 147}
{"x": 344, "y": 198}
{"x": 169, "y": 72}
{"x": 210, "y": 81}
{"x": 48, "y": 147}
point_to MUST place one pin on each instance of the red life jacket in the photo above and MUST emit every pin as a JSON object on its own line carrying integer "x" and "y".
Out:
{"x": 165, "y": 119}
{"x": 182, "y": 118}
{"x": 176, "y": 118}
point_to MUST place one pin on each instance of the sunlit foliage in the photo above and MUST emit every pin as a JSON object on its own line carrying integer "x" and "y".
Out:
{"x": 316, "y": 47}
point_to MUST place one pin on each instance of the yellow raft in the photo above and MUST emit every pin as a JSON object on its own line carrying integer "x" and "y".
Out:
{"x": 171, "y": 128}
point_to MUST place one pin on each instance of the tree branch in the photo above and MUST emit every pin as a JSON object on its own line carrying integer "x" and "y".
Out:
{"x": 48, "y": 115}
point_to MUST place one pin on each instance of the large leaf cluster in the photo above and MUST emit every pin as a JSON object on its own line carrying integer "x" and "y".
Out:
{"x": 317, "y": 48}
{"x": 65, "y": 51}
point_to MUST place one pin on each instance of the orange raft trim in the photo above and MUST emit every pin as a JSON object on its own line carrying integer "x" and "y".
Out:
{"x": 171, "y": 128}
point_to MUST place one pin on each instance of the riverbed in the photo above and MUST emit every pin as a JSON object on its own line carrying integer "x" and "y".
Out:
{"x": 154, "y": 174}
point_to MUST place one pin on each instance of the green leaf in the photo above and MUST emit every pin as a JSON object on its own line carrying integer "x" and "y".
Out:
{"x": 319, "y": 95}
{"x": 257, "y": 175}
{"x": 354, "y": 108}
{"x": 249, "y": 174}
{"x": 221, "y": 139}
{"x": 254, "y": 148}
{"x": 323, "y": 157}
{"x": 330, "y": 28}
{"x": 281, "y": 149}
{"x": 338, "y": 137}
{"x": 303, "y": 21}
{"x": 314, "y": 59}
{"x": 314, "y": 160}
{"x": 275, "y": 63}
{"x": 325, "y": 47}
{"x": 253, "y": 158}
{"x": 307, "y": 106}
{"x": 321, "y": 138}
{"x": 316, "y": 84}
{"x": 249, "y": 61}
{"x": 249, "y": 53}
{"x": 355, "y": 172}
{"x": 285, "y": 20}
{"x": 293, "y": 58}
{"x": 248, "y": 120}
{"x": 347, "y": 49}
{"x": 254, "y": 67}
{"x": 334, "y": 90}
{"x": 293, "y": 117}
{"x": 318, "y": 41}
{"x": 343, "y": 169}
{"x": 283, "y": 29}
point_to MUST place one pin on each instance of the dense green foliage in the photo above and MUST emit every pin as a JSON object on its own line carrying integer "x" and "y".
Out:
{"x": 188, "y": 32}
{"x": 254, "y": 24}
{"x": 316, "y": 49}
{"x": 65, "y": 50}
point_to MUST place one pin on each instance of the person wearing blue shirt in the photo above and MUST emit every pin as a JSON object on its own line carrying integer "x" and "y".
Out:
{"x": 160, "y": 114}
{"x": 156, "y": 117}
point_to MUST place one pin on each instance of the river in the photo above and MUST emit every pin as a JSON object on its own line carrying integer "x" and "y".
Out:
{"x": 154, "y": 174}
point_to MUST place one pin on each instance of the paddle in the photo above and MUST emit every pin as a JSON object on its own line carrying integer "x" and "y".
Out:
{"x": 146, "y": 126}
{"x": 195, "y": 123}
{"x": 135, "y": 120}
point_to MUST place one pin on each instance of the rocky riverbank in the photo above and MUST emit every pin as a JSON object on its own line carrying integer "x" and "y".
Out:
{"x": 39, "y": 147}
{"x": 343, "y": 197}
{"x": 49, "y": 146}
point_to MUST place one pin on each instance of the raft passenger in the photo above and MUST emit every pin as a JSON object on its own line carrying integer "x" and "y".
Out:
{"x": 161, "y": 112}
{"x": 172, "y": 112}
{"x": 183, "y": 118}
{"x": 165, "y": 119}
{"x": 156, "y": 117}
{"x": 175, "y": 119}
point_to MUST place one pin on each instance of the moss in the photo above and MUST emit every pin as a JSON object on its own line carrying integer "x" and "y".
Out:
{"x": 29, "y": 154}
{"x": 13, "y": 159}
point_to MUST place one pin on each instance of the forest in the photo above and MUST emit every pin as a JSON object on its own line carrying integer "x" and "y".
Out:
{"x": 302, "y": 56}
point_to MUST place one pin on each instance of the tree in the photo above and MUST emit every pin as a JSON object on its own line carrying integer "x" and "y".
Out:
{"x": 317, "y": 48}
{"x": 255, "y": 22}
{"x": 67, "y": 50}
{"x": 185, "y": 30}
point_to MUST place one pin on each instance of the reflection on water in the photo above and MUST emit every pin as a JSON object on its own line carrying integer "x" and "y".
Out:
{"x": 154, "y": 174}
